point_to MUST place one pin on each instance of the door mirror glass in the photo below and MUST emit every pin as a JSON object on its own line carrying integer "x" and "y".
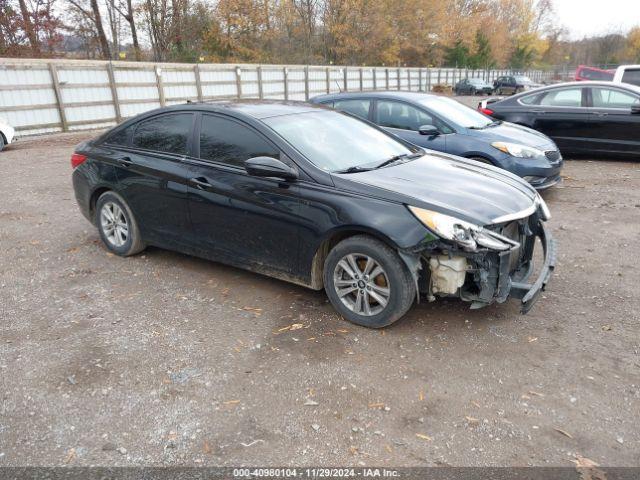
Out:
{"x": 635, "y": 110}
{"x": 270, "y": 167}
{"x": 429, "y": 130}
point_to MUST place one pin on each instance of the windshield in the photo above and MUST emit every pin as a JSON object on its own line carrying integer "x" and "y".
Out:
{"x": 454, "y": 112}
{"x": 476, "y": 81}
{"x": 334, "y": 142}
{"x": 523, "y": 80}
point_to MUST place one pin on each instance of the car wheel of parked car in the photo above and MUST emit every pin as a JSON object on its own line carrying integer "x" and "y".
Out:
{"x": 1, "y": 142}
{"x": 367, "y": 282}
{"x": 117, "y": 226}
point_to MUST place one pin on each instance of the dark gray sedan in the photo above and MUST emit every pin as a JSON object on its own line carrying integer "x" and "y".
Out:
{"x": 443, "y": 124}
{"x": 473, "y": 86}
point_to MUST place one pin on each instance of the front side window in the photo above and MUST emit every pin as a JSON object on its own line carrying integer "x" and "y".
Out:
{"x": 225, "y": 141}
{"x": 401, "y": 115}
{"x": 359, "y": 107}
{"x": 167, "y": 133}
{"x": 568, "y": 97}
{"x": 610, "y": 98}
{"x": 333, "y": 141}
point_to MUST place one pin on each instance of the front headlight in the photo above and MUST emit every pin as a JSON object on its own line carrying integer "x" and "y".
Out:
{"x": 465, "y": 234}
{"x": 516, "y": 150}
{"x": 447, "y": 227}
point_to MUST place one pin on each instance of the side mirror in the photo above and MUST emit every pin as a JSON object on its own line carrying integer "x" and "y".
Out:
{"x": 635, "y": 110}
{"x": 429, "y": 130}
{"x": 270, "y": 167}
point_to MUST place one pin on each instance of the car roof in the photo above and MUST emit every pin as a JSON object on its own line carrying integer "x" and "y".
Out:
{"x": 397, "y": 94}
{"x": 595, "y": 83}
{"x": 258, "y": 109}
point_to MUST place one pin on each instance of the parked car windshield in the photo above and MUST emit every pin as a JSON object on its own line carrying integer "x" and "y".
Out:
{"x": 476, "y": 81}
{"x": 454, "y": 112}
{"x": 334, "y": 141}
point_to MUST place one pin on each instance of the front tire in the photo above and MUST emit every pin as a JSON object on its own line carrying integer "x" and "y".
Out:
{"x": 1, "y": 142}
{"x": 367, "y": 282}
{"x": 117, "y": 226}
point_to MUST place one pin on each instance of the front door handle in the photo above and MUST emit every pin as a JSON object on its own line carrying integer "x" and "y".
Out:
{"x": 539, "y": 112}
{"x": 601, "y": 114}
{"x": 201, "y": 183}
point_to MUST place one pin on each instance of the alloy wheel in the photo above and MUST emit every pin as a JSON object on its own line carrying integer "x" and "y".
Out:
{"x": 361, "y": 284}
{"x": 114, "y": 224}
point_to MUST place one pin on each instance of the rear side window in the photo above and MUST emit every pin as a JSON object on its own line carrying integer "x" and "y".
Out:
{"x": 120, "y": 137}
{"x": 226, "y": 141}
{"x": 164, "y": 133}
{"x": 568, "y": 97}
{"x": 610, "y": 98}
{"x": 530, "y": 99}
{"x": 631, "y": 76}
{"x": 359, "y": 107}
{"x": 402, "y": 116}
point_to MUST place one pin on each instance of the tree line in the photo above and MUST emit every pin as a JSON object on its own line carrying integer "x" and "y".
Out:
{"x": 462, "y": 33}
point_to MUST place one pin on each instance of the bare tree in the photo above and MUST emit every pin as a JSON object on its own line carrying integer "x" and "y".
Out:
{"x": 92, "y": 13}
{"x": 126, "y": 10}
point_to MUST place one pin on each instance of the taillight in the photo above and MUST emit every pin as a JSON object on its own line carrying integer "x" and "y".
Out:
{"x": 486, "y": 111}
{"x": 77, "y": 159}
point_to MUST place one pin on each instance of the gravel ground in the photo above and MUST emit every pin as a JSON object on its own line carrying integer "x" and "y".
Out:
{"x": 165, "y": 359}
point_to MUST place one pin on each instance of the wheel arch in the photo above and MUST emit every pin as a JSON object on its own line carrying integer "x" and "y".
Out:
{"x": 334, "y": 237}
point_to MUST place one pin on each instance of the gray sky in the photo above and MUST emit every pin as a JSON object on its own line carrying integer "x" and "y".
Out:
{"x": 588, "y": 17}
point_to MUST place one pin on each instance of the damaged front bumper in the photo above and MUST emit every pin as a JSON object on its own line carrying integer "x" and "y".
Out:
{"x": 528, "y": 292}
{"x": 486, "y": 276}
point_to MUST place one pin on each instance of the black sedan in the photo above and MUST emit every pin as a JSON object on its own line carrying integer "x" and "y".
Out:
{"x": 318, "y": 198}
{"x": 473, "y": 86}
{"x": 580, "y": 117}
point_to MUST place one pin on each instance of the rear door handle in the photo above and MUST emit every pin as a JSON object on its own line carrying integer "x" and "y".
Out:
{"x": 201, "y": 183}
{"x": 125, "y": 162}
{"x": 601, "y": 114}
{"x": 539, "y": 112}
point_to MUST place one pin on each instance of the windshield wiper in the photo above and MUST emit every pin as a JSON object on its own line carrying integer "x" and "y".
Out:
{"x": 487, "y": 125}
{"x": 355, "y": 169}
{"x": 395, "y": 158}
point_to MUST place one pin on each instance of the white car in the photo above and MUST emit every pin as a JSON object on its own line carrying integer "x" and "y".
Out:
{"x": 6, "y": 133}
{"x": 627, "y": 74}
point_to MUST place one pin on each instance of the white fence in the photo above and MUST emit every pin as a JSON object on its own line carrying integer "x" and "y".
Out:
{"x": 40, "y": 96}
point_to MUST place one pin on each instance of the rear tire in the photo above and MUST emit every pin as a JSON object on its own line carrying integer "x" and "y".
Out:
{"x": 117, "y": 226}
{"x": 367, "y": 282}
{"x": 1, "y": 142}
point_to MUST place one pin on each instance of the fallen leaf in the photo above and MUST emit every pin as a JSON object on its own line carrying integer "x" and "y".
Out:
{"x": 475, "y": 404}
{"x": 353, "y": 450}
{"x": 583, "y": 462}
{"x": 533, "y": 339}
{"x": 70, "y": 455}
{"x": 342, "y": 330}
{"x": 559, "y": 430}
{"x": 376, "y": 405}
{"x": 296, "y": 326}
{"x": 311, "y": 338}
{"x": 388, "y": 448}
{"x": 471, "y": 419}
{"x": 606, "y": 328}
{"x": 424, "y": 437}
{"x": 231, "y": 402}
{"x": 537, "y": 394}
{"x": 311, "y": 403}
{"x": 206, "y": 448}
{"x": 421, "y": 396}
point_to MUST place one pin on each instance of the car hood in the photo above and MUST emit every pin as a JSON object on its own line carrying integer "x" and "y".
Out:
{"x": 451, "y": 185}
{"x": 510, "y": 132}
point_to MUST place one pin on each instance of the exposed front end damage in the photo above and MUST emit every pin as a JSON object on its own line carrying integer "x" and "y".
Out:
{"x": 493, "y": 264}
